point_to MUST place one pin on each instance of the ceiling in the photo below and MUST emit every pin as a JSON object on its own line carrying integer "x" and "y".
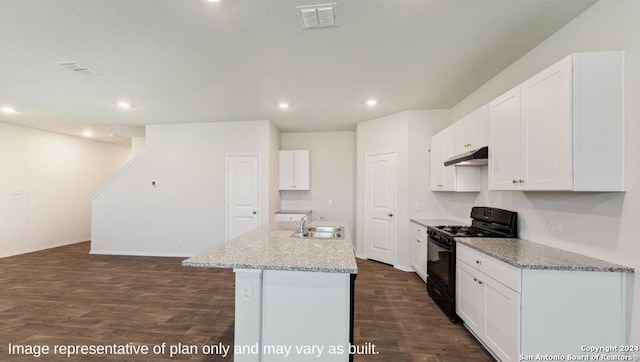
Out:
{"x": 180, "y": 61}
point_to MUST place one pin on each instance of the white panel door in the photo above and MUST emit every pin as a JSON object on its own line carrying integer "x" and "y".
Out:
{"x": 380, "y": 200}
{"x": 436, "y": 163}
{"x": 504, "y": 141}
{"x": 468, "y": 296}
{"x": 546, "y": 129}
{"x": 242, "y": 194}
{"x": 501, "y": 324}
{"x": 448, "y": 151}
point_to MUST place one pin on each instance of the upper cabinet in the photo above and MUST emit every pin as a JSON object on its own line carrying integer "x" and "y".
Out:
{"x": 451, "y": 178}
{"x": 471, "y": 132}
{"x": 294, "y": 170}
{"x": 563, "y": 129}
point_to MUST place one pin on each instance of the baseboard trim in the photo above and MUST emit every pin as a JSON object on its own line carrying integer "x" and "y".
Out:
{"x": 42, "y": 247}
{"x": 141, "y": 253}
{"x": 404, "y": 268}
{"x": 360, "y": 256}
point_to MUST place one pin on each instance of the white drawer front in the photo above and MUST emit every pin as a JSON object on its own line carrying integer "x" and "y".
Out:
{"x": 289, "y": 217}
{"x": 496, "y": 269}
{"x": 419, "y": 230}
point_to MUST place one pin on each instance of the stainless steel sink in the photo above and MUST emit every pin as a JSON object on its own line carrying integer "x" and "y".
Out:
{"x": 325, "y": 229}
{"x": 320, "y": 232}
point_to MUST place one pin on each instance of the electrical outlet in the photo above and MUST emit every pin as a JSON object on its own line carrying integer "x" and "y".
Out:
{"x": 246, "y": 292}
{"x": 330, "y": 202}
{"x": 555, "y": 225}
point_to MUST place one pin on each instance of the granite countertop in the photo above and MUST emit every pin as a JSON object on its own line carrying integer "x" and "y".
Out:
{"x": 436, "y": 222}
{"x": 271, "y": 247}
{"x": 529, "y": 255}
{"x": 293, "y": 211}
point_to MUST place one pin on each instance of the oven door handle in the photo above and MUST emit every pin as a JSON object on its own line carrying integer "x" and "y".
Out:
{"x": 444, "y": 246}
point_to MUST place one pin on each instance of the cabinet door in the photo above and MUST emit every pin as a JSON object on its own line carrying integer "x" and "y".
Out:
{"x": 463, "y": 135}
{"x": 468, "y": 296}
{"x": 285, "y": 180}
{"x": 500, "y": 319}
{"x": 504, "y": 141}
{"x": 448, "y": 150}
{"x": 424, "y": 256}
{"x": 417, "y": 258}
{"x": 301, "y": 169}
{"x": 546, "y": 129}
{"x": 436, "y": 163}
{"x": 479, "y": 128}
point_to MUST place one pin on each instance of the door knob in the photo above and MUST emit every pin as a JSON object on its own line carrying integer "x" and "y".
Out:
{"x": 390, "y": 215}
{"x": 254, "y": 212}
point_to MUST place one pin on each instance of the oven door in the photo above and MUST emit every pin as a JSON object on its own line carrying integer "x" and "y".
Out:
{"x": 441, "y": 266}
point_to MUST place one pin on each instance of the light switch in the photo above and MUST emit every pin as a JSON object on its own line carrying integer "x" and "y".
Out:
{"x": 18, "y": 191}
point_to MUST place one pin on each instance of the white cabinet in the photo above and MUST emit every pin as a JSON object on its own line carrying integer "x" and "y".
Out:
{"x": 419, "y": 249}
{"x": 490, "y": 309}
{"x": 294, "y": 170}
{"x": 471, "y": 132}
{"x": 290, "y": 216}
{"x": 451, "y": 178}
{"x": 562, "y": 129}
{"x": 527, "y": 312}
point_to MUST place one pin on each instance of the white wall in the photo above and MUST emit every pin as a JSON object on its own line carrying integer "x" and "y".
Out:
{"x": 274, "y": 174}
{"x": 333, "y": 175}
{"x": 47, "y": 180}
{"x": 603, "y": 225}
{"x": 137, "y": 145}
{"x": 185, "y": 212}
{"x": 409, "y": 134}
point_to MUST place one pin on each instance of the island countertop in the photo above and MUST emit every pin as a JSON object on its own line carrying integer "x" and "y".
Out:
{"x": 526, "y": 254}
{"x": 271, "y": 247}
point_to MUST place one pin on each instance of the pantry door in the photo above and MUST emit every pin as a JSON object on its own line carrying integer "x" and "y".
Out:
{"x": 380, "y": 202}
{"x": 242, "y": 194}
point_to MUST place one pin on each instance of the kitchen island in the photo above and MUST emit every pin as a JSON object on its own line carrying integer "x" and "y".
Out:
{"x": 294, "y": 297}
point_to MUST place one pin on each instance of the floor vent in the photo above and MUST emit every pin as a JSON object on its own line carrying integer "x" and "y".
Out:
{"x": 318, "y": 16}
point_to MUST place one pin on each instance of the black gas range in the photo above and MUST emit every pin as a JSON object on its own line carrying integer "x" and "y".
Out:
{"x": 486, "y": 222}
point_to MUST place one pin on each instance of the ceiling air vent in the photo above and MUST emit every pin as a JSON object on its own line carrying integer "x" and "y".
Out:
{"x": 79, "y": 69}
{"x": 318, "y": 16}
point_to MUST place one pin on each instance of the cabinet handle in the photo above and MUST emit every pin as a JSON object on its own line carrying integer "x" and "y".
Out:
{"x": 478, "y": 262}
{"x": 521, "y": 181}
{"x": 475, "y": 279}
{"x": 418, "y": 240}
{"x": 480, "y": 282}
{"x": 254, "y": 212}
{"x": 515, "y": 181}
{"x": 390, "y": 214}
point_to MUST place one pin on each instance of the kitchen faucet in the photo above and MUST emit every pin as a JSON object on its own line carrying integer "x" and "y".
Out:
{"x": 303, "y": 222}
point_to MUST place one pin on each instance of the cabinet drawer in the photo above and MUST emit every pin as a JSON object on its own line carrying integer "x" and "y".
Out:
{"x": 289, "y": 217}
{"x": 418, "y": 229}
{"x": 496, "y": 269}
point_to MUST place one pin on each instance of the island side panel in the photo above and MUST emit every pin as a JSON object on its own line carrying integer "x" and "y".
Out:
{"x": 306, "y": 309}
{"x": 248, "y": 314}
{"x": 563, "y": 310}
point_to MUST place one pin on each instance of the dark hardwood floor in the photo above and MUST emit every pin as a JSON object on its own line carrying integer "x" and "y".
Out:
{"x": 64, "y": 296}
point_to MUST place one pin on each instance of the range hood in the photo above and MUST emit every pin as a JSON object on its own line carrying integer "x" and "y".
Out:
{"x": 477, "y": 157}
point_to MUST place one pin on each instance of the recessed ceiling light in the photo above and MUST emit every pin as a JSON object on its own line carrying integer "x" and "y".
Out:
{"x": 111, "y": 135}
{"x": 213, "y": 1}
{"x": 283, "y": 105}
{"x": 124, "y": 105}
{"x": 87, "y": 133}
{"x": 8, "y": 110}
{"x": 372, "y": 102}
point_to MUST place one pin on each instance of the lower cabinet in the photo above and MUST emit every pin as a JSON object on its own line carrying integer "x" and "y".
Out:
{"x": 490, "y": 310}
{"x": 518, "y": 314}
{"x": 291, "y": 216}
{"x": 419, "y": 250}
